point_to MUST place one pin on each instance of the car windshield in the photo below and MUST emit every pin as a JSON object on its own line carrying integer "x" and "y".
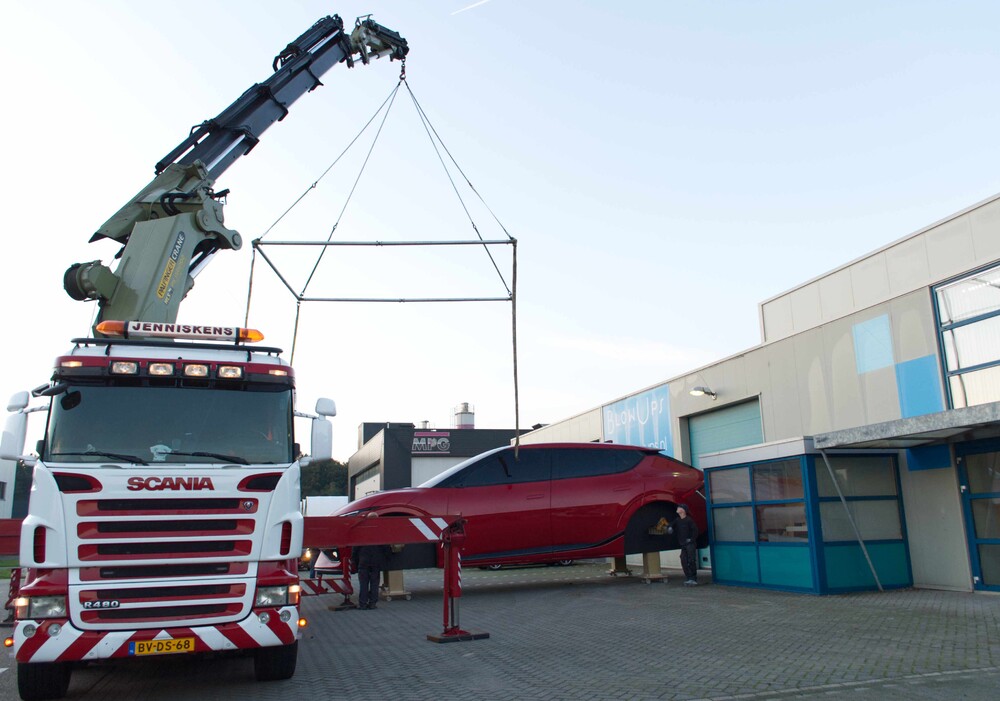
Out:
{"x": 149, "y": 425}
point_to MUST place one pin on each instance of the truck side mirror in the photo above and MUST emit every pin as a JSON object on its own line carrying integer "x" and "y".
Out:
{"x": 18, "y": 401}
{"x": 12, "y": 442}
{"x": 326, "y": 407}
{"x": 321, "y": 445}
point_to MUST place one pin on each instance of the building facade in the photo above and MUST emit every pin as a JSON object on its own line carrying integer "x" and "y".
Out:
{"x": 858, "y": 446}
{"x": 397, "y": 455}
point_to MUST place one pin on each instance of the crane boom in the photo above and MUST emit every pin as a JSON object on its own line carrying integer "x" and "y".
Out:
{"x": 173, "y": 226}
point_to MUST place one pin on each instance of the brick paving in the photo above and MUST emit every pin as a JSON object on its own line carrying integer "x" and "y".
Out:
{"x": 576, "y": 633}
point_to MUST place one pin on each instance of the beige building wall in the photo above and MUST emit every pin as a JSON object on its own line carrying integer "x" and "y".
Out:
{"x": 582, "y": 428}
{"x": 942, "y": 250}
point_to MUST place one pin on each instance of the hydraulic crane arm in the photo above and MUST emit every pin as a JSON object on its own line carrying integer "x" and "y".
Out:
{"x": 174, "y": 225}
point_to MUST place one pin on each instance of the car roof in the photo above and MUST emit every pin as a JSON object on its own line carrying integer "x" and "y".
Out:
{"x": 437, "y": 479}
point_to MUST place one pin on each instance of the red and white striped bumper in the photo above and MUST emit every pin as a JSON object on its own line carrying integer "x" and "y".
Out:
{"x": 56, "y": 640}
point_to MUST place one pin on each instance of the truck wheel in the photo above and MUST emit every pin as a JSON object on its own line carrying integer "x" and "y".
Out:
{"x": 275, "y": 663}
{"x": 43, "y": 680}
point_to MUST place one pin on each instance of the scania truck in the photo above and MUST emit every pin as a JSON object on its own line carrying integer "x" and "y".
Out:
{"x": 164, "y": 509}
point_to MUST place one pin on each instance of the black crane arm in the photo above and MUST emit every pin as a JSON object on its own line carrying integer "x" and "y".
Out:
{"x": 172, "y": 227}
{"x": 236, "y": 130}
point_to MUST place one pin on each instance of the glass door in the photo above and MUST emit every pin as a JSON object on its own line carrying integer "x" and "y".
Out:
{"x": 979, "y": 474}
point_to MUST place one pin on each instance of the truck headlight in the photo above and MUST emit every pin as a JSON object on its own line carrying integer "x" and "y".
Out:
{"x": 40, "y": 607}
{"x": 278, "y": 596}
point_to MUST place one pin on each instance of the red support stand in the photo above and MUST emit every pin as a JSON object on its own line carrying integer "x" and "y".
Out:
{"x": 15, "y": 589}
{"x": 452, "y": 540}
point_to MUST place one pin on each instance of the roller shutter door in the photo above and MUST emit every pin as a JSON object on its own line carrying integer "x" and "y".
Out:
{"x": 731, "y": 427}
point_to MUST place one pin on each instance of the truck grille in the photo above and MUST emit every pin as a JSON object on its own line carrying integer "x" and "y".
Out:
{"x": 112, "y": 530}
{"x": 157, "y": 605}
{"x": 159, "y": 559}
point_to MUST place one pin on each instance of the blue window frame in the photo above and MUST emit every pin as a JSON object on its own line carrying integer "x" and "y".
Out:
{"x": 759, "y": 522}
{"x": 780, "y": 524}
{"x": 968, "y": 318}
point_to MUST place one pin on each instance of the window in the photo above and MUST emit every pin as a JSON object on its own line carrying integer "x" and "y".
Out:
{"x": 733, "y": 524}
{"x": 857, "y": 476}
{"x": 502, "y": 468}
{"x": 729, "y": 485}
{"x": 969, "y": 317}
{"x": 778, "y": 523}
{"x": 763, "y": 503}
{"x": 868, "y": 484}
{"x": 3, "y": 491}
{"x": 778, "y": 481}
{"x": 581, "y": 462}
{"x": 171, "y": 424}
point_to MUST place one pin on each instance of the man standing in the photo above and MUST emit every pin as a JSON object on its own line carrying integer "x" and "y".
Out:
{"x": 369, "y": 561}
{"x": 686, "y": 531}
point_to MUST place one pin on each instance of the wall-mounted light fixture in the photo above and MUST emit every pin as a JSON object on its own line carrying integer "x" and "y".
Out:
{"x": 703, "y": 392}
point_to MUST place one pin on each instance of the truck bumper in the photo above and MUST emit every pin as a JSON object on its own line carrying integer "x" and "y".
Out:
{"x": 57, "y": 640}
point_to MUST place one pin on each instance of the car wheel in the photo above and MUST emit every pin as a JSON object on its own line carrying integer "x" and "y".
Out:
{"x": 493, "y": 567}
{"x": 637, "y": 536}
{"x": 564, "y": 563}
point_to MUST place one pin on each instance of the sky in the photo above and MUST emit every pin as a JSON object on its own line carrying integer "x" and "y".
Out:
{"x": 664, "y": 166}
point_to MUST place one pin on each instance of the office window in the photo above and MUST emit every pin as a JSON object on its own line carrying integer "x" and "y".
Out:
{"x": 969, "y": 317}
{"x": 868, "y": 484}
{"x": 763, "y": 503}
{"x": 730, "y": 485}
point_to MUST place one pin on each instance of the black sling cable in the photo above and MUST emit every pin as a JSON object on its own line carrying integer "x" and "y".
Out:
{"x": 435, "y": 139}
{"x": 312, "y": 187}
{"x": 513, "y": 336}
{"x": 295, "y": 332}
{"x": 429, "y": 128}
{"x": 354, "y": 187}
{"x": 253, "y": 261}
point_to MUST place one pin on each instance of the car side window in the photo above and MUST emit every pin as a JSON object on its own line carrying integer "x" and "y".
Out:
{"x": 502, "y": 468}
{"x": 582, "y": 462}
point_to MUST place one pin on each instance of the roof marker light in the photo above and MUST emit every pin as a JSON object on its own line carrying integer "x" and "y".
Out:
{"x": 278, "y": 371}
{"x": 196, "y": 371}
{"x": 124, "y": 367}
{"x": 161, "y": 369}
{"x": 194, "y": 332}
{"x": 230, "y": 372}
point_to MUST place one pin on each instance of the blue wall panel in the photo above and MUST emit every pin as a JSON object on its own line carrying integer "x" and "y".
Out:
{"x": 873, "y": 344}
{"x": 735, "y": 563}
{"x": 786, "y": 566}
{"x": 846, "y": 567}
{"x": 919, "y": 384}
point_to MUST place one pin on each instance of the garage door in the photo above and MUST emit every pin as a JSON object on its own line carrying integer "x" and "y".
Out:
{"x": 730, "y": 427}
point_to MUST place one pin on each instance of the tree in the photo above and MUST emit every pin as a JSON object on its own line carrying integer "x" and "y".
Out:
{"x": 324, "y": 478}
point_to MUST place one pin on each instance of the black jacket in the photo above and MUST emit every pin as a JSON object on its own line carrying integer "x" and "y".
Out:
{"x": 370, "y": 556}
{"x": 686, "y": 530}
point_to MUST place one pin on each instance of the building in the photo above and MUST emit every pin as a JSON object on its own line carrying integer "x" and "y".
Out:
{"x": 397, "y": 455}
{"x": 858, "y": 446}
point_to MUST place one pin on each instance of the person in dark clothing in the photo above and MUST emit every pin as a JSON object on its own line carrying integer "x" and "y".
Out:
{"x": 368, "y": 562}
{"x": 686, "y": 531}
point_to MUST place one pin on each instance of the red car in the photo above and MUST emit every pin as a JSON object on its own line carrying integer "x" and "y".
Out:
{"x": 558, "y": 501}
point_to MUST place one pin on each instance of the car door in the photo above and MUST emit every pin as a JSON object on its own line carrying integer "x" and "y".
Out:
{"x": 591, "y": 487}
{"x": 506, "y": 502}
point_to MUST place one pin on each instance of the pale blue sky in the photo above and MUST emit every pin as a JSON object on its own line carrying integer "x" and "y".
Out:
{"x": 665, "y": 166}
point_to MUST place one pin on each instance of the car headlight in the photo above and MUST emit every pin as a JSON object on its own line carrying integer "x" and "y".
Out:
{"x": 40, "y": 607}
{"x": 278, "y": 596}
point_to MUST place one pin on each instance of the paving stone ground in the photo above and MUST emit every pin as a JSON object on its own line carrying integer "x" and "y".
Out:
{"x": 576, "y": 633}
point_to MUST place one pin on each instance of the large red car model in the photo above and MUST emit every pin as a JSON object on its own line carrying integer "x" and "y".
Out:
{"x": 553, "y": 502}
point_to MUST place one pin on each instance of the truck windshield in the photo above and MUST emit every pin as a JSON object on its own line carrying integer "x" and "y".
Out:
{"x": 148, "y": 425}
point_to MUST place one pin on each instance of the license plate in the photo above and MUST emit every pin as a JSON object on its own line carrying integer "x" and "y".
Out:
{"x": 161, "y": 647}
